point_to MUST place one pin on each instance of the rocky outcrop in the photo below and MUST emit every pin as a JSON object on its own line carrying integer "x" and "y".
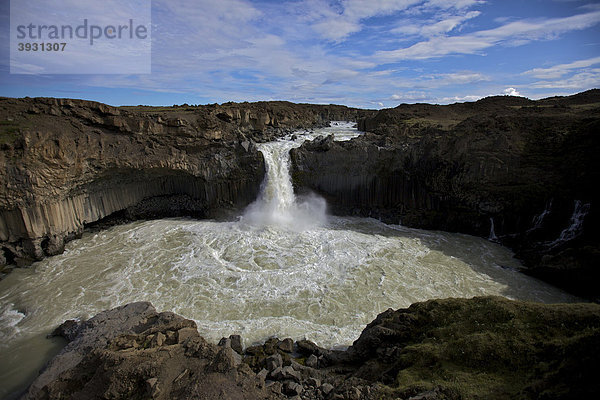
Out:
{"x": 69, "y": 163}
{"x": 135, "y": 352}
{"x": 520, "y": 171}
{"x": 486, "y": 347}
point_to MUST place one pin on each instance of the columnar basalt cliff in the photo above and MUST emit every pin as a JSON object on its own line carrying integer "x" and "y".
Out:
{"x": 520, "y": 171}
{"x": 68, "y": 163}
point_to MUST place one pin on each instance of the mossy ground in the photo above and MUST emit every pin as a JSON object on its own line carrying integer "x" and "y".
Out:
{"x": 9, "y": 132}
{"x": 493, "y": 348}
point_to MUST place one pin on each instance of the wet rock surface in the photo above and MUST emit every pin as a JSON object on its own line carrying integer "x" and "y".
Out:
{"x": 529, "y": 169}
{"x": 486, "y": 347}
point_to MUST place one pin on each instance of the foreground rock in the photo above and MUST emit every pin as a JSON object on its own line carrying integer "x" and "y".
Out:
{"x": 485, "y": 347}
{"x": 519, "y": 171}
{"x": 135, "y": 352}
{"x": 65, "y": 164}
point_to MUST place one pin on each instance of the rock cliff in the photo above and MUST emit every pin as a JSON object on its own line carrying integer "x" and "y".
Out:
{"x": 486, "y": 347}
{"x": 68, "y": 163}
{"x": 519, "y": 171}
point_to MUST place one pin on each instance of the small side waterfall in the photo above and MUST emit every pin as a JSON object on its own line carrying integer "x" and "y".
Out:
{"x": 538, "y": 220}
{"x": 492, "y": 237}
{"x": 575, "y": 227}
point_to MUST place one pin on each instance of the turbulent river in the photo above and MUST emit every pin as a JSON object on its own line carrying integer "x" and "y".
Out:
{"x": 284, "y": 268}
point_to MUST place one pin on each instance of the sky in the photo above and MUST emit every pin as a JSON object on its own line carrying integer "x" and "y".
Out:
{"x": 360, "y": 53}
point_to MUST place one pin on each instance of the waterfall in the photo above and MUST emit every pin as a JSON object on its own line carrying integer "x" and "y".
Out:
{"x": 575, "y": 223}
{"x": 492, "y": 237}
{"x": 277, "y": 204}
{"x": 539, "y": 219}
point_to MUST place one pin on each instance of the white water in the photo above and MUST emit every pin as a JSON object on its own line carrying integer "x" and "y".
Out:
{"x": 575, "y": 227}
{"x": 538, "y": 220}
{"x": 492, "y": 236}
{"x": 277, "y": 205}
{"x": 284, "y": 269}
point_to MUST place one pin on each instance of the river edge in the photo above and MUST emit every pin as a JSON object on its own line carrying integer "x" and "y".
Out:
{"x": 484, "y": 347}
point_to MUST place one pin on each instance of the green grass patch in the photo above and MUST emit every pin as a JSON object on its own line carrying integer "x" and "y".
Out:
{"x": 9, "y": 132}
{"x": 492, "y": 348}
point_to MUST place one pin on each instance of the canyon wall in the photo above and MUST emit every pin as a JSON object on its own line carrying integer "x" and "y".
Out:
{"x": 527, "y": 169}
{"x": 70, "y": 163}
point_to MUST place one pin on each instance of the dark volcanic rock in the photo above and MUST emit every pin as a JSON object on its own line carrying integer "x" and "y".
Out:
{"x": 461, "y": 167}
{"x": 486, "y": 347}
{"x": 66, "y": 164}
{"x": 117, "y": 355}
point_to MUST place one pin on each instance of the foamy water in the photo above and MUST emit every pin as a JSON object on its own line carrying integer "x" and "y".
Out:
{"x": 285, "y": 269}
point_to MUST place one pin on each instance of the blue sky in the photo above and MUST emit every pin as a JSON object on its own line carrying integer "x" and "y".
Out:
{"x": 362, "y": 53}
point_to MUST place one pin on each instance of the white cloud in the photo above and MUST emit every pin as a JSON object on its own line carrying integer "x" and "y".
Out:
{"x": 445, "y": 4}
{"x": 576, "y": 75}
{"x": 511, "y": 92}
{"x": 340, "y": 76}
{"x": 336, "y": 29}
{"x": 460, "y": 99}
{"x": 560, "y": 70}
{"x": 447, "y": 25}
{"x": 411, "y": 96}
{"x": 336, "y": 22}
{"x": 460, "y": 77}
{"x": 407, "y": 28}
{"x": 474, "y": 97}
{"x": 513, "y": 33}
{"x": 360, "y": 9}
{"x": 580, "y": 81}
{"x": 591, "y": 6}
{"x": 443, "y": 24}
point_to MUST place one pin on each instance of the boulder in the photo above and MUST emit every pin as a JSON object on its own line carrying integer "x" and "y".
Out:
{"x": 273, "y": 362}
{"x": 286, "y": 345}
{"x": 292, "y": 388}
{"x": 225, "y": 360}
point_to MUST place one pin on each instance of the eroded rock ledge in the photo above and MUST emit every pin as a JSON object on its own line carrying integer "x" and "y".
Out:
{"x": 530, "y": 168}
{"x": 486, "y": 347}
{"x": 69, "y": 163}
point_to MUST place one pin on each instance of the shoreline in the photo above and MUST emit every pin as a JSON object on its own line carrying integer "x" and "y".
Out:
{"x": 391, "y": 358}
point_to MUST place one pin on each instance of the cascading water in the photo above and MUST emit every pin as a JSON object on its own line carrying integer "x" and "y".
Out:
{"x": 575, "y": 227}
{"x": 283, "y": 269}
{"x": 538, "y": 220}
{"x": 492, "y": 236}
{"x": 277, "y": 204}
